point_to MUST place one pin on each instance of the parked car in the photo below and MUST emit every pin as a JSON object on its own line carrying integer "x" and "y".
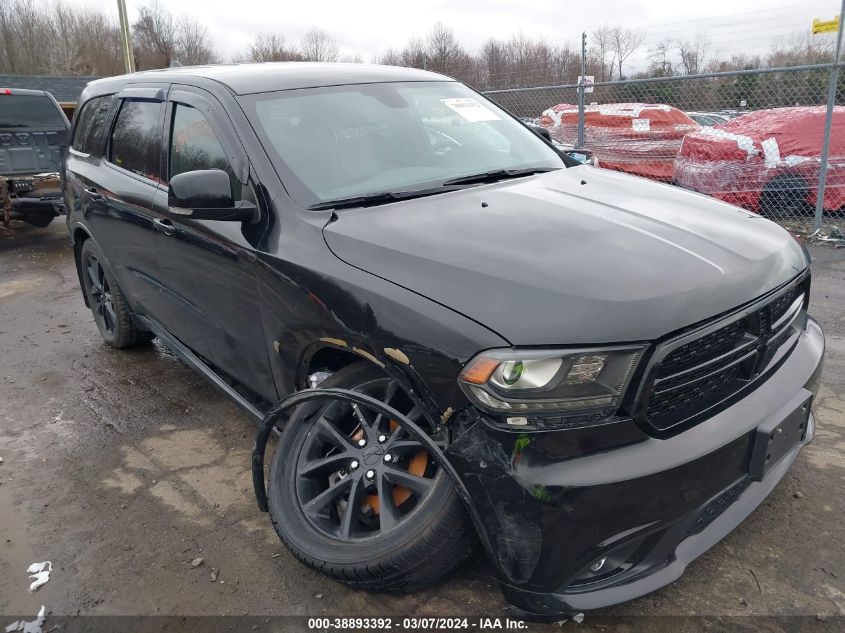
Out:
{"x": 609, "y": 375}
{"x": 767, "y": 161}
{"x": 708, "y": 118}
{"x": 637, "y": 138}
{"x": 33, "y": 131}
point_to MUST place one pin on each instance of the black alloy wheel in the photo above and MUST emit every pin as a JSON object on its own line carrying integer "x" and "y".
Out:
{"x": 360, "y": 474}
{"x": 99, "y": 294}
{"x": 108, "y": 304}
{"x": 353, "y": 496}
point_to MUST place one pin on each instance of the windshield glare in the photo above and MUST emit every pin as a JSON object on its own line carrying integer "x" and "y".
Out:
{"x": 343, "y": 141}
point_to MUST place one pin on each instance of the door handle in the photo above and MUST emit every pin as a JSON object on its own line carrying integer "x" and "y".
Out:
{"x": 165, "y": 226}
{"x": 94, "y": 195}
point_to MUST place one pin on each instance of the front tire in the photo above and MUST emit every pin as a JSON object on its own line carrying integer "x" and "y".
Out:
{"x": 401, "y": 528}
{"x": 107, "y": 302}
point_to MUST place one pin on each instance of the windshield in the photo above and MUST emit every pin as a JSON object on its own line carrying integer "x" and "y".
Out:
{"x": 357, "y": 140}
{"x": 29, "y": 111}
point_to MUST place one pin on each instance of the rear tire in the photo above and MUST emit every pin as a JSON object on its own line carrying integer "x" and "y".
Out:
{"x": 107, "y": 302}
{"x": 422, "y": 546}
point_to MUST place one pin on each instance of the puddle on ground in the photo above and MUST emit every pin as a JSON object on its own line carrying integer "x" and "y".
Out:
{"x": 17, "y": 554}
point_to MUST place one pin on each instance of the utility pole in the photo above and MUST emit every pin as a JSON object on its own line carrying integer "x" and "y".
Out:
{"x": 126, "y": 40}
{"x": 581, "y": 81}
{"x": 831, "y": 98}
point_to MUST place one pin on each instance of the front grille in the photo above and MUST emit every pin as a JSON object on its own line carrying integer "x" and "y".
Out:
{"x": 708, "y": 346}
{"x": 695, "y": 374}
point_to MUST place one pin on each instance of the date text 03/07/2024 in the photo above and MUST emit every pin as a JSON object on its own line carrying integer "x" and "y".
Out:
{"x": 417, "y": 623}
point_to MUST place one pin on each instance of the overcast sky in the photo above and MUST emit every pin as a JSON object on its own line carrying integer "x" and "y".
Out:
{"x": 368, "y": 27}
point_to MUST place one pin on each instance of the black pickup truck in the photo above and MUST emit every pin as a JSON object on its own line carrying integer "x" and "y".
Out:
{"x": 33, "y": 131}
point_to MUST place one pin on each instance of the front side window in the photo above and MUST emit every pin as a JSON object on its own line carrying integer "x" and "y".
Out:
{"x": 89, "y": 134}
{"x": 193, "y": 145}
{"x": 362, "y": 139}
{"x": 136, "y": 138}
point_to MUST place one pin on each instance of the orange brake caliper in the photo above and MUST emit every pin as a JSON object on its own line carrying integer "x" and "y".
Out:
{"x": 416, "y": 466}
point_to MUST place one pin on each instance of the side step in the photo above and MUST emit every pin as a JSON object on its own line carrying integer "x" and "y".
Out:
{"x": 197, "y": 364}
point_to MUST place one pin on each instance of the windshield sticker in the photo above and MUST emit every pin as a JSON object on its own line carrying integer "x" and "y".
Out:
{"x": 471, "y": 110}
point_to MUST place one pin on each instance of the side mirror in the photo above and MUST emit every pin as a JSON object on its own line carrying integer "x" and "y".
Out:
{"x": 582, "y": 156}
{"x": 206, "y": 194}
{"x": 542, "y": 132}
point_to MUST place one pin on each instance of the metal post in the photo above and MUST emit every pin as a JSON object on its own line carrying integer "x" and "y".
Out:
{"x": 581, "y": 88}
{"x": 831, "y": 99}
{"x": 126, "y": 41}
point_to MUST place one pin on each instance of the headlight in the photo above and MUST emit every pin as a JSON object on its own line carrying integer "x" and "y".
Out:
{"x": 510, "y": 381}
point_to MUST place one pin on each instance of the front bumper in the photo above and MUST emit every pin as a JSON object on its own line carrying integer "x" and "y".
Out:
{"x": 556, "y": 502}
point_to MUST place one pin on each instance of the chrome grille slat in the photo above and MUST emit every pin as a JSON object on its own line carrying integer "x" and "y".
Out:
{"x": 660, "y": 387}
{"x": 694, "y": 374}
{"x": 700, "y": 371}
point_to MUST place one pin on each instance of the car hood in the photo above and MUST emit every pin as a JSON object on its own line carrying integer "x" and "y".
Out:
{"x": 575, "y": 256}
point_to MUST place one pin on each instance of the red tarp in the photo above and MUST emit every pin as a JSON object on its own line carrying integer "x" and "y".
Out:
{"x": 637, "y": 138}
{"x": 735, "y": 161}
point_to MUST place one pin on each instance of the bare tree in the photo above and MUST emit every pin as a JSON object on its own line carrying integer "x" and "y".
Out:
{"x": 661, "y": 61}
{"x": 57, "y": 38}
{"x": 96, "y": 45}
{"x": 693, "y": 53}
{"x": 800, "y": 49}
{"x": 271, "y": 48}
{"x": 495, "y": 62}
{"x": 442, "y": 48}
{"x": 192, "y": 43}
{"x": 623, "y": 43}
{"x": 319, "y": 46}
{"x": 390, "y": 57}
{"x": 414, "y": 54}
{"x": 601, "y": 48}
{"x": 155, "y": 33}
{"x": 161, "y": 39}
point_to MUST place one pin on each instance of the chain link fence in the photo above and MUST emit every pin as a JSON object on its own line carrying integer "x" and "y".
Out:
{"x": 753, "y": 138}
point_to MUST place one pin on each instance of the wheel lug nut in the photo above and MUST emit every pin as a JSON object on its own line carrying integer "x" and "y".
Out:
{"x": 371, "y": 474}
{"x": 382, "y": 438}
{"x": 362, "y": 442}
{"x": 388, "y": 458}
{"x": 354, "y": 464}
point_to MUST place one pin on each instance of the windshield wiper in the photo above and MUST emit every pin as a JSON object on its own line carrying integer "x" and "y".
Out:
{"x": 386, "y": 197}
{"x": 498, "y": 174}
{"x": 373, "y": 199}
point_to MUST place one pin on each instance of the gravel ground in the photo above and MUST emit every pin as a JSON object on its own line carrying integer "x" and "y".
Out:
{"x": 124, "y": 467}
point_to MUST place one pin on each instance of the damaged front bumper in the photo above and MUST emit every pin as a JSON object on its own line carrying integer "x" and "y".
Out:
{"x": 582, "y": 519}
{"x": 585, "y": 518}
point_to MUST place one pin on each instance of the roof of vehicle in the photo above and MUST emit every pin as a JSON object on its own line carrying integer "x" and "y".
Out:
{"x": 23, "y": 92}
{"x": 619, "y": 116}
{"x": 789, "y": 134}
{"x": 270, "y": 76}
{"x": 64, "y": 89}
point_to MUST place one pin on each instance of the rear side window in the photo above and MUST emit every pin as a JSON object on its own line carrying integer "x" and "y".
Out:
{"x": 90, "y": 126}
{"x": 17, "y": 111}
{"x": 193, "y": 145}
{"x": 136, "y": 138}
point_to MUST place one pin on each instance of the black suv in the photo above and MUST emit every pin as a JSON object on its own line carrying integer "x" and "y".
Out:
{"x": 596, "y": 375}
